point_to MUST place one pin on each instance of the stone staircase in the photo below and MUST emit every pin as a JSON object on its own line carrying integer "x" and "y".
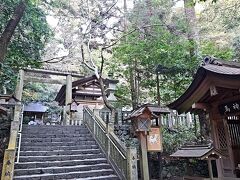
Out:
{"x": 61, "y": 152}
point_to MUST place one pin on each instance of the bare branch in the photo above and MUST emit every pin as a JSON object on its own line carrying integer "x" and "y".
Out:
{"x": 55, "y": 58}
{"x": 83, "y": 60}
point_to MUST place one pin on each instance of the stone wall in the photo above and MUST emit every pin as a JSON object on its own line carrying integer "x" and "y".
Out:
{"x": 172, "y": 169}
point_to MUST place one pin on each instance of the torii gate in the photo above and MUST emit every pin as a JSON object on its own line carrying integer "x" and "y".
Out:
{"x": 10, "y": 152}
{"x": 24, "y": 77}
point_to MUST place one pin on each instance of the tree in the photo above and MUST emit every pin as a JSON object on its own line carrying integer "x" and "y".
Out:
{"x": 192, "y": 28}
{"x": 149, "y": 43}
{"x": 26, "y": 44}
{"x": 10, "y": 28}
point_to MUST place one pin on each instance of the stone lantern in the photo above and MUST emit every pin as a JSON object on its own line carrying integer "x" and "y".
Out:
{"x": 141, "y": 119}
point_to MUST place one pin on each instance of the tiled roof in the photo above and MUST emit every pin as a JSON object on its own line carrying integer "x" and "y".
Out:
{"x": 35, "y": 107}
{"x": 222, "y": 69}
{"x": 200, "y": 152}
{"x": 223, "y": 73}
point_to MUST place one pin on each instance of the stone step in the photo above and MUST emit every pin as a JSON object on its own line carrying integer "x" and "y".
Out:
{"x": 65, "y": 169}
{"x": 48, "y": 135}
{"x": 25, "y": 126}
{"x": 39, "y": 131}
{"x": 58, "y": 143}
{"x": 82, "y": 174}
{"x": 64, "y": 139}
{"x": 54, "y": 148}
{"x": 60, "y": 152}
{"x": 26, "y": 165}
{"x": 109, "y": 177}
{"x": 59, "y": 157}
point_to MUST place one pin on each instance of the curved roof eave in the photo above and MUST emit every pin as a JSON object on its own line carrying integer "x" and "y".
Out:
{"x": 199, "y": 77}
{"x": 184, "y": 102}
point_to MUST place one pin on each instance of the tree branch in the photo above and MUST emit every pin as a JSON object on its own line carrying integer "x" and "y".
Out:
{"x": 83, "y": 60}
{"x": 59, "y": 59}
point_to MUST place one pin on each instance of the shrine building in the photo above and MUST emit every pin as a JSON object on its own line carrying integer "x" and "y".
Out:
{"x": 216, "y": 90}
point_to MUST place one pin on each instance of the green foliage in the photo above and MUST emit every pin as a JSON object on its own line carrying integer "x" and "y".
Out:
{"x": 45, "y": 93}
{"x": 177, "y": 138}
{"x": 214, "y": 50}
{"x": 27, "y": 42}
{"x": 39, "y": 92}
{"x": 162, "y": 48}
{"x": 161, "y": 38}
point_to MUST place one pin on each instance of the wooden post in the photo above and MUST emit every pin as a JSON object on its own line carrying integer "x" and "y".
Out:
{"x": 210, "y": 168}
{"x": 143, "y": 157}
{"x": 132, "y": 163}
{"x": 68, "y": 99}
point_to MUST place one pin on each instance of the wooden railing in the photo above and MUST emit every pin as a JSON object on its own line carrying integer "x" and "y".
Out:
{"x": 123, "y": 159}
{"x": 10, "y": 152}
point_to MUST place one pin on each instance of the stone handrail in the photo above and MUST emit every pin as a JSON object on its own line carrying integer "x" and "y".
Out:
{"x": 122, "y": 158}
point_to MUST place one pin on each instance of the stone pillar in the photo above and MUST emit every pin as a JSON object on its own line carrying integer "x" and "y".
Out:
{"x": 68, "y": 90}
{"x": 96, "y": 112}
{"x": 119, "y": 110}
{"x": 19, "y": 87}
{"x": 68, "y": 100}
{"x": 132, "y": 172}
{"x": 9, "y": 156}
{"x": 8, "y": 164}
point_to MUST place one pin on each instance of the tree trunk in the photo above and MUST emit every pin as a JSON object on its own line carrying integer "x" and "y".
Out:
{"x": 133, "y": 87}
{"x": 193, "y": 35}
{"x": 10, "y": 28}
{"x": 110, "y": 123}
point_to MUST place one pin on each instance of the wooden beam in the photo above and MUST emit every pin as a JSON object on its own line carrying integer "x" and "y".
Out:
{"x": 52, "y": 72}
{"x": 226, "y": 82}
{"x": 195, "y": 96}
{"x": 44, "y": 80}
{"x": 89, "y": 101}
{"x": 202, "y": 106}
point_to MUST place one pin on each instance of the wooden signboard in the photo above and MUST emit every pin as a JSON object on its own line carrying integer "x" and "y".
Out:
{"x": 229, "y": 108}
{"x": 154, "y": 140}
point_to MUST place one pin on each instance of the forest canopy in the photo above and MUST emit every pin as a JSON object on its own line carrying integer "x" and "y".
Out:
{"x": 129, "y": 39}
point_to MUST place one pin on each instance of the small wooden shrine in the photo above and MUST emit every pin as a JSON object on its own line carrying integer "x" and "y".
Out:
{"x": 216, "y": 90}
{"x": 83, "y": 92}
{"x": 86, "y": 91}
{"x": 200, "y": 152}
{"x": 36, "y": 111}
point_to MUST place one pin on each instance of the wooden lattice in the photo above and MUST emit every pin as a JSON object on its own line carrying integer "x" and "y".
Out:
{"x": 234, "y": 130}
{"x": 222, "y": 137}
